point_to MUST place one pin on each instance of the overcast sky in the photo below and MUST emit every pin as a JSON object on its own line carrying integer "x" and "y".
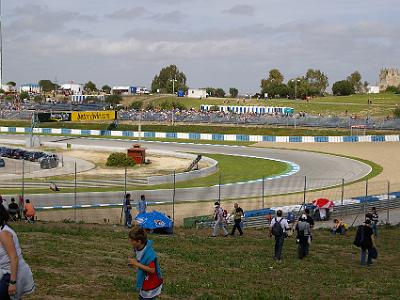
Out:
{"x": 218, "y": 43}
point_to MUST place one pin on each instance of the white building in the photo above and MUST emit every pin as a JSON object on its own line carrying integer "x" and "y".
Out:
{"x": 72, "y": 88}
{"x": 83, "y": 98}
{"x": 197, "y": 93}
{"x": 373, "y": 89}
{"x": 30, "y": 88}
{"x": 123, "y": 90}
{"x": 8, "y": 88}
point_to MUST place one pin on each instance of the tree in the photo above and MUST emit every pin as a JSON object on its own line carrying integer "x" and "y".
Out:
{"x": 210, "y": 91}
{"x": 355, "y": 80}
{"x": 106, "y": 89}
{"x": 273, "y": 85}
{"x": 343, "y": 88}
{"x": 47, "y": 86}
{"x": 113, "y": 99}
{"x": 11, "y": 83}
{"x": 392, "y": 89}
{"x": 233, "y": 92}
{"x": 24, "y": 95}
{"x": 163, "y": 81}
{"x": 317, "y": 82}
{"x": 90, "y": 87}
{"x": 220, "y": 93}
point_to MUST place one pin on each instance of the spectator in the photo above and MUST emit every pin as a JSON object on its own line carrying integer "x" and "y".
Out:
{"x": 29, "y": 211}
{"x": 338, "y": 227}
{"x": 13, "y": 210}
{"x": 142, "y": 205}
{"x": 127, "y": 211}
{"x": 149, "y": 280}
{"x": 12, "y": 263}
{"x": 303, "y": 231}
{"x": 278, "y": 228}
{"x": 374, "y": 221}
{"x": 220, "y": 221}
{"x": 367, "y": 243}
{"x": 309, "y": 219}
{"x": 237, "y": 219}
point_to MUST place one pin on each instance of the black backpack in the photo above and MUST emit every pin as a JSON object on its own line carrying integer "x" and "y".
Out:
{"x": 277, "y": 229}
{"x": 359, "y": 239}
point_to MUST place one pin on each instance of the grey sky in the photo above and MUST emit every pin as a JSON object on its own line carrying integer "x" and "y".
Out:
{"x": 219, "y": 43}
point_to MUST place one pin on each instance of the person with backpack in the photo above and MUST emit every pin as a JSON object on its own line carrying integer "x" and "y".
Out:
{"x": 365, "y": 240}
{"x": 278, "y": 228}
{"x": 237, "y": 214}
{"x": 303, "y": 238}
{"x": 220, "y": 220}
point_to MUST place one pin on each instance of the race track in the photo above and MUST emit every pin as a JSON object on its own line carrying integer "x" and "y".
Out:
{"x": 318, "y": 170}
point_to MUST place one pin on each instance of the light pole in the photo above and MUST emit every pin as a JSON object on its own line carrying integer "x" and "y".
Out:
{"x": 295, "y": 87}
{"x": 1, "y": 50}
{"x": 173, "y": 85}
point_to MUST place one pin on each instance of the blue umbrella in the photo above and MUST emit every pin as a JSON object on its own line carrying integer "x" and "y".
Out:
{"x": 153, "y": 220}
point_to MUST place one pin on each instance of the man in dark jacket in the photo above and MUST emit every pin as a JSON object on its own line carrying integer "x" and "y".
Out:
{"x": 237, "y": 218}
{"x": 368, "y": 243}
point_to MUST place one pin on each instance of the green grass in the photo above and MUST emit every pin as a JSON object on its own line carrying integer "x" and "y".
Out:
{"x": 90, "y": 262}
{"x": 382, "y": 104}
{"x": 232, "y": 168}
{"x": 227, "y": 129}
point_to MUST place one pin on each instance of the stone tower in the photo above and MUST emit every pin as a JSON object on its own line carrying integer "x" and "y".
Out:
{"x": 389, "y": 77}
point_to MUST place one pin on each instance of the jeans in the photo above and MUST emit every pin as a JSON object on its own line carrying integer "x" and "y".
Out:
{"x": 364, "y": 254}
{"x": 374, "y": 229}
{"x": 278, "y": 247}
{"x": 219, "y": 224}
{"x": 128, "y": 218}
{"x": 237, "y": 225}
{"x": 4, "y": 287}
{"x": 303, "y": 247}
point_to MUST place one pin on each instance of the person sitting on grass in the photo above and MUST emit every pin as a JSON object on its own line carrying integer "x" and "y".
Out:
{"x": 339, "y": 227}
{"x": 29, "y": 211}
{"x": 13, "y": 210}
{"x": 149, "y": 280}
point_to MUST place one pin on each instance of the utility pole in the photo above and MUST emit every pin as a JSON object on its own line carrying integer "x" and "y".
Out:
{"x": 173, "y": 85}
{"x": 1, "y": 50}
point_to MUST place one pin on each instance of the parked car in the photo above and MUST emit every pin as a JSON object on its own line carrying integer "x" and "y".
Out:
{"x": 35, "y": 156}
{"x": 48, "y": 163}
{"x": 2, "y": 163}
{"x": 18, "y": 154}
{"x": 47, "y": 155}
{"x": 6, "y": 152}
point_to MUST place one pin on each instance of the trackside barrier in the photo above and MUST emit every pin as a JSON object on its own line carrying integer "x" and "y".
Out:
{"x": 207, "y": 136}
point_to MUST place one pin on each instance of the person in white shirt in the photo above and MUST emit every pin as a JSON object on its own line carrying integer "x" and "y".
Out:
{"x": 278, "y": 228}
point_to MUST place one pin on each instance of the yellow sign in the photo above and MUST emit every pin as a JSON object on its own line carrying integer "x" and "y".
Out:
{"x": 93, "y": 115}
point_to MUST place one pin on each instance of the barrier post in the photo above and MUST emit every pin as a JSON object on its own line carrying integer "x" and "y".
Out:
{"x": 263, "y": 192}
{"x": 173, "y": 199}
{"x": 342, "y": 195}
{"x": 366, "y": 195}
{"x": 125, "y": 179}
{"x": 305, "y": 190}
{"x": 219, "y": 187}
{"x": 75, "y": 192}
{"x": 23, "y": 179}
{"x": 388, "y": 203}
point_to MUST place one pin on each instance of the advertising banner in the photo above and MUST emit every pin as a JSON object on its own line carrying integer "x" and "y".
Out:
{"x": 93, "y": 115}
{"x": 54, "y": 117}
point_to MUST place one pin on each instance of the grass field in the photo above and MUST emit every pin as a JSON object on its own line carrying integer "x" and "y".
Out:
{"x": 80, "y": 261}
{"x": 226, "y": 129}
{"x": 382, "y": 104}
{"x": 232, "y": 168}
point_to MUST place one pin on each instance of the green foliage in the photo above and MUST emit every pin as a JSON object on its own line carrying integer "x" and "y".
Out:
{"x": 9, "y": 98}
{"x": 106, "y": 89}
{"x": 343, "y": 88}
{"x": 169, "y": 105}
{"x": 11, "y": 83}
{"x": 90, "y": 87}
{"x": 38, "y": 99}
{"x": 317, "y": 82}
{"x": 274, "y": 85}
{"x": 163, "y": 82}
{"x": 137, "y": 105}
{"x": 2, "y": 91}
{"x": 233, "y": 92}
{"x": 355, "y": 80}
{"x": 119, "y": 160}
{"x": 47, "y": 86}
{"x": 113, "y": 99}
{"x": 24, "y": 95}
{"x": 396, "y": 112}
{"x": 215, "y": 92}
{"x": 214, "y": 108}
{"x": 150, "y": 106}
{"x": 392, "y": 89}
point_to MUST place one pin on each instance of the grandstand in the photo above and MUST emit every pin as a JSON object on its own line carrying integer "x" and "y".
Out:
{"x": 250, "y": 109}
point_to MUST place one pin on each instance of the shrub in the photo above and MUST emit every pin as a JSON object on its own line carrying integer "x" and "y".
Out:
{"x": 214, "y": 108}
{"x": 137, "y": 105}
{"x": 396, "y": 112}
{"x": 392, "y": 89}
{"x": 119, "y": 160}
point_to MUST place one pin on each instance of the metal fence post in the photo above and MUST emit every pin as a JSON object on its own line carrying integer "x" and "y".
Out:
{"x": 23, "y": 179}
{"x": 366, "y": 195}
{"x": 173, "y": 199}
{"x": 263, "y": 192}
{"x": 125, "y": 179}
{"x": 219, "y": 187}
{"x": 342, "y": 195}
{"x": 388, "y": 203}
{"x": 75, "y": 192}
{"x": 305, "y": 189}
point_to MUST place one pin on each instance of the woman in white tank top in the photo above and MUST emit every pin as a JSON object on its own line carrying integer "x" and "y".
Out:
{"x": 16, "y": 277}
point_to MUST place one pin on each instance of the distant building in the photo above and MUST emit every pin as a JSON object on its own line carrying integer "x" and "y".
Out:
{"x": 373, "y": 89}
{"x": 389, "y": 77}
{"x": 72, "y": 88}
{"x": 8, "y": 88}
{"x": 197, "y": 93}
{"x": 123, "y": 90}
{"x": 31, "y": 88}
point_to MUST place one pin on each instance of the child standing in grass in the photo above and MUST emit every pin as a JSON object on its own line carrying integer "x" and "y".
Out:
{"x": 149, "y": 280}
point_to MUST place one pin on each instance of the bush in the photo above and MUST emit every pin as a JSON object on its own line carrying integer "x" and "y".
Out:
{"x": 343, "y": 88}
{"x": 396, "y": 112}
{"x": 119, "y": 160}
{"x": 137, "y": 105}
{"x": 113, "y": 99}
{"x": 392, "y": 89}
{"x": 214, "y": 108}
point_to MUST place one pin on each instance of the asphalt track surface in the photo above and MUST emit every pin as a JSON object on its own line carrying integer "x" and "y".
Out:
{"x": 318, "y": 170}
